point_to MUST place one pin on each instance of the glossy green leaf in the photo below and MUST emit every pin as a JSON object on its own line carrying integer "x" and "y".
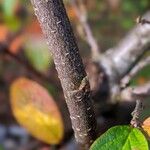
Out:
{"x": 121, "y": 138}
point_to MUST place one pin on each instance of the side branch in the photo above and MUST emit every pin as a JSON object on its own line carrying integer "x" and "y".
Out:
{"x": 125, "y": 55}
{"x": 60, "y": 39}
{"x": 82, "y": 15}
{"x": 118, "y": 61}
{"x": 141, "y": 92}
{"x": 4, "y": 49}
{"x": 135, "y": 122}
{"x": 134, "y": 71}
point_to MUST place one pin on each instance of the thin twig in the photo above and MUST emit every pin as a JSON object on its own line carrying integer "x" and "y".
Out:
{"x": 81, "y": 12}
{"x": 135, "y": 122}
{"x": 142, "y": 20}
{"x": 125, "y": 81}
{"x": 4, "y": 49}
{"x": 141, "y": 92}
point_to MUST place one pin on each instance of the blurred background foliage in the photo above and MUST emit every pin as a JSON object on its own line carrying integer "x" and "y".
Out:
{"x": 110, "y": 20}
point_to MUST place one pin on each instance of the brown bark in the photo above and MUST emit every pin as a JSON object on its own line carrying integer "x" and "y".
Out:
{"x": 58, "y": 32}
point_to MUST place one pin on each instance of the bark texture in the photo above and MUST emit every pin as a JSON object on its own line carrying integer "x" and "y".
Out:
{"x": 60, "y": 39}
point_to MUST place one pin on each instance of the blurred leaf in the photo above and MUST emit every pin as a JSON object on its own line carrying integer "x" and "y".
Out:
{"x": 121, "y": 138}
{"x": 16, "y": 44}
{"x": 9, "y": 7}
{"x": 127, "y": 24}
{"x": 127, "y": 6}
{"x": 1, "y": 147}
{"x": 146, "y": 126}
{"x": 3, "y": 32}
{"x": 114, "y": 4}
{"x": 34, "y": 27}
{"x": 142, "y": 76}
{"x": 13, "y": 23}
{"x": 133, "y": 7}
{"x": 51, "y": 89}
{"x": 36, "y": 110}
{"x": 144, "y": 3}
{"x": 37, "y": 53}
{"x": 146, "y": 111}
{"x": 71, "y": 13}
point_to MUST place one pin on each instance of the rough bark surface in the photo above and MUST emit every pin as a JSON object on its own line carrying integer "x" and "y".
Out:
{"x": 60, "y": 39}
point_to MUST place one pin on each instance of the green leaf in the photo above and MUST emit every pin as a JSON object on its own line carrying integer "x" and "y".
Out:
{"x": 38, "y": 54}
{"x": 8, "y": 7}
{"x": 1, "y": 147}
{"x": 142, "y": 76}
{"x": 121, "y": 138}
{"x": 12, "y": 22}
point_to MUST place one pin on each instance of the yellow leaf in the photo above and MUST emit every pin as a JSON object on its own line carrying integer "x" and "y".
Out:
{"x": 36, "y": 110}
{"x": 146, "y": 126}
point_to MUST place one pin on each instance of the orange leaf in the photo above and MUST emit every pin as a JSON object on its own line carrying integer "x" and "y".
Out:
{"x": 3, "y": 33}
{"x": 146, "y": 126}
{"x": 34, "y": 28}
{"x": 36, "y": 110}
{"x": 141, "y": 80}
{"x": 16, "y": 44}
{"x": 72, "y": 13}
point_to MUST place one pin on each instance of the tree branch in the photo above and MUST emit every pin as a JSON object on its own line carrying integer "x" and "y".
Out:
{"x": 134, "y": 71}
{"x": 118, "y": 61}
{"x": 142, "y": 20}
{"x": 135, "y": 122}
{"x": 125, "y": 55}
{"x": 142, "y": 91}
{"x": 82, "y": 15}
{"x": 4, "y": 49}
{"x": 138, "y": 92}
{"x": 60, "y": 39}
